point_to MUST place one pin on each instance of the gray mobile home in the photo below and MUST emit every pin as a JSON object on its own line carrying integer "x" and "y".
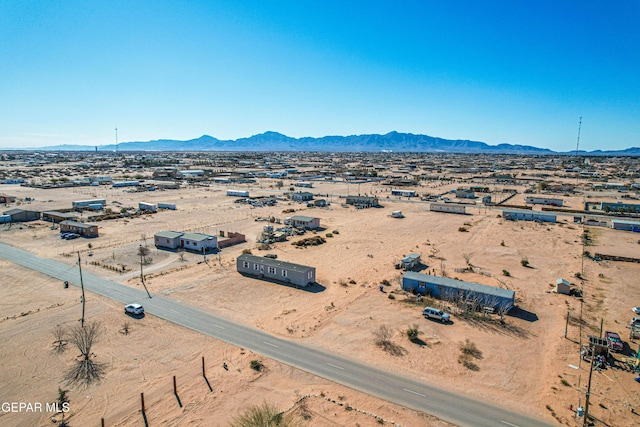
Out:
{"x": 273, "y": 269}
{"x": 167, "y": 239}
{"x": 525, "y": 215}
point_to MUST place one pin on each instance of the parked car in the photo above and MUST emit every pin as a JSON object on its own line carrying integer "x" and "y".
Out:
{"x": 635, "y": 322}
{"x": 133, "y": 309}
{"x": 72, "y": 236}
{"x": 614, "y": 342}
{"x": 636, "y": 310}
{"x": 434, "y": 313}
{"x": 64, "y": 235}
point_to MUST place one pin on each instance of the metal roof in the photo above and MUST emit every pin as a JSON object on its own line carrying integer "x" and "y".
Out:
{"x": 411, "y": 257}
{"x": 198, "y": 237}
{"x": 301, "y": 218}
{"x": 269, "y": 262}
{"x": 78, "y": 224}
{"x": 168, "y": 234}
{"x": 459, "y": 284}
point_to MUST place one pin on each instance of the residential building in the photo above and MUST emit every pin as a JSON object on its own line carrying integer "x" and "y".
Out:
{"x": 301, "y": 221}
{"x": 301, "y": 196}
{"x": 459, "y": 291}
{"x": 167, "y": 239}
{"x": 85, "y": 230}
{"x": 448, "y": 208}
{"x": 526, "y": 215}
{"x": 273, "y": 269}
{"x": 198, "y": 242}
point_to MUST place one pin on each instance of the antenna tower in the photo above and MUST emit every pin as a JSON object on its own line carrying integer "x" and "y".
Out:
{"x": 117, "y": 139}
{"x": 577, "y": 143}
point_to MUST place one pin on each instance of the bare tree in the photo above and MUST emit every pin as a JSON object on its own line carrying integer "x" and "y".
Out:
{"x": 60, "y": 343}
{"x": 85, "y": 371}
{"x": 467, "y": 257}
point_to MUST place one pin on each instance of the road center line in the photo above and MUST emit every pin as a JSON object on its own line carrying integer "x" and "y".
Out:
{"x": 414, "y": 392}
{"x": 335, "y": 366}
{"x": 217, "y": 326}
{"x": 268, "y": 343}
{"x": 509, "y": 424}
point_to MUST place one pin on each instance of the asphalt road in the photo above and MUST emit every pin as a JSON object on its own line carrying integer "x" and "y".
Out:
{"x": 402, "y": 390}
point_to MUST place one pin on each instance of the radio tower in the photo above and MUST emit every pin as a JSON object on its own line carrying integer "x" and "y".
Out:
{"x": 117, "y": 137}
{"x": 577, "y": 144}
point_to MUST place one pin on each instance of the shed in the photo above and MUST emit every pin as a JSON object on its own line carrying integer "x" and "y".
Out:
{"x": 410, "y": 261}
{"x": 55, "y": 216}
{"x": 22, "y": 215}
{"x": 167, "y": 239}
{"x": 273, "y": 269}
{"x": 457, "y": 290}
{"x": 563, "y": 287}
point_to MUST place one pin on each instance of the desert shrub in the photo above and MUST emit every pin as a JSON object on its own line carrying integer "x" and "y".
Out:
{"x": 413, "y": 332}
{"x": 246, "y": 251}
{"x": 263, "y": 415}
{"x": 506, "y": 273}
{"x": 336, "y": 232}
{"x": 256, "y": 365}
{"x": 463, "y": 229}
{"x": 524, "y": 262}
{"x": 329, "y": 235}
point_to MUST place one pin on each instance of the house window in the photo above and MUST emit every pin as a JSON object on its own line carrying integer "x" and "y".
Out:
{"x": 284, "y": 273}
{"x": 271, "y": 270}
{"x": 255, "y": 267}
{"x": 245, "y": 264}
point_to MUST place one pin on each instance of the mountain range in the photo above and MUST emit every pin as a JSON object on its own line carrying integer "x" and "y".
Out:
{"x": 392, "y": 142}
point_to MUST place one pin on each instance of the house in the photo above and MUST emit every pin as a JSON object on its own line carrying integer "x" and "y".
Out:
{"x": 22, "y": 215}
{"x": 301, "y": 221}
{"x": 125, "y": 184}
{"x": 273, "y": 269}
{"x": 167, "y": 239}
{"x": 448, "y": 208}
{"x": 198, "y": 242}
{"x": 459, "y": 291}
{"x": 301, "y": 196}
{"x": 305, "y": 184}
{"x": 362, "y": 201}
{"x": 525, "y": 215}
{"x": 563, "y": 287}
{"x": 617, "y": 224}
{"x": 533, "y": 200}
{"x": 320, "y": 203}
{"x": 238, "y": 193}
{"x": 85, "y": 230}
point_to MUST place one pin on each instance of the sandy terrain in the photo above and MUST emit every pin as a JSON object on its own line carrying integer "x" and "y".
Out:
{"x": 525, "y": 365}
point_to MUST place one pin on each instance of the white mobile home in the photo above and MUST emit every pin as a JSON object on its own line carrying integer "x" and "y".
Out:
{"x": 238, "y": 193}
{"x": 164, "y": 205}
{"x": 403, "y": 193}
{"x": 533, "y": 200}
{"x": 150, "y": 207}
{"x": 448, "y": 208}
{"x": 79, "y": 204}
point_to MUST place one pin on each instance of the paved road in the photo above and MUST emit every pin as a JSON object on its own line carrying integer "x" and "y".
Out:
{"x": 392, "y": 387}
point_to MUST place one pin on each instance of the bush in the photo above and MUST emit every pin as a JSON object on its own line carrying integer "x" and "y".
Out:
{"x": 463, "y": 229}
{"x": 264, "y": 415}
{"x": 329, "y": 235}
{"x": 506, "y": 273}
{"x": 256, "y": 365}
{"x": 246, "y": 251}
{"x": 413, "y": 332}
{"x": 524, "y": 262}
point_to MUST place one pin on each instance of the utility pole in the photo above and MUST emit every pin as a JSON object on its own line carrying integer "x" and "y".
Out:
{"x": 141, "y": 274}
{"x": 81, "y": 287}
{"x": 586, "y": 403}
{"x": 116, "y": 140}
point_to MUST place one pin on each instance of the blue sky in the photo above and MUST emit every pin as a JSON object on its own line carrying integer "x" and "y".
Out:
{"x": 500, "y": 71}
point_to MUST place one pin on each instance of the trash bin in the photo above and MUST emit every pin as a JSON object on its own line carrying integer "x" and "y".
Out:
{"x": 66, "y": 284}
{"x": 580, "y": 411}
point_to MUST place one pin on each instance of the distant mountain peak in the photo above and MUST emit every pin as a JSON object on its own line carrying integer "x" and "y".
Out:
{"x": 392, "y": 141}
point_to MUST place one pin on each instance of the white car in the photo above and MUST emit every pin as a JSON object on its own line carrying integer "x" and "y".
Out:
{"x": 434, "y": 313}
{"x": 636, "y": 310}
{"x": 133, "y": 309}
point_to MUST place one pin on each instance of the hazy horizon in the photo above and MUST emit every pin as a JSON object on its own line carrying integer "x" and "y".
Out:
{"x": 505, "y": 72}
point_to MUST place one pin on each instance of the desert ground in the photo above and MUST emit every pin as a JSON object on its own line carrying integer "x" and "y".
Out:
{"x": 525, "y": 363}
